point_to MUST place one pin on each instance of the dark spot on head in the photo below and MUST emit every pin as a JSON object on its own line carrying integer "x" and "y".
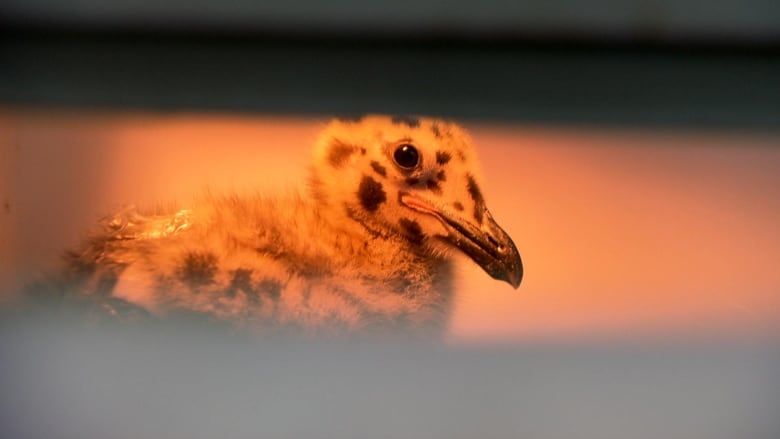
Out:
{"x": 458, "y": 206}
{"x": 441, "y": 176}
{"x": 412, "y": 181}
{"x": 339, "y": 152}
{"x": 411, "y": 230}
{"x": 476, "y": 195}
{"x": 461, "y": 155}
{"x": 436, "y": 130}
{"x": 350, "y": 118}
{"x": 442, "y": 157}
{"x": 362, "y": 151}
{"x": 370, "y": 193}
{"x": 479, "y": 211}
{"x": 379, "y": 169}
{"x": 270, "y": 288}
{"x": 473, "y": 189}
{"x": 433, "y": 185}
{"x": 7, "y": 206}
{"x": 411, "y": 122}
{"x": 198, "y": 268}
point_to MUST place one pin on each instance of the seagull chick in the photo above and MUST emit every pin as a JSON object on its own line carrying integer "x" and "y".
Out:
{"x": 368, "y": 246}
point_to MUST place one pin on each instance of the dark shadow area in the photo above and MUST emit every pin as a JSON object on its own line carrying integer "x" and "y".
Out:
{"x": 493, "y": 78}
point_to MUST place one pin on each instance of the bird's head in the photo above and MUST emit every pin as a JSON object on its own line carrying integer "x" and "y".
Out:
{"x": 416, "y": 178}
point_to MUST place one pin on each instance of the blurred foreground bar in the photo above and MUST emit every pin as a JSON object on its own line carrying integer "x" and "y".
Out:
{"x": 598, "y": 81}
{"x": 150, "y": 384}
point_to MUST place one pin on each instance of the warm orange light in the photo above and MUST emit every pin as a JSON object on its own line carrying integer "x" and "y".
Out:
{"x": 632, "y": 232}
{"x": 622, "y": 232}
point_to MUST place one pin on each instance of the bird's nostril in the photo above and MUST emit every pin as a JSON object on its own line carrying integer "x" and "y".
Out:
{"x": 494, "y": 242}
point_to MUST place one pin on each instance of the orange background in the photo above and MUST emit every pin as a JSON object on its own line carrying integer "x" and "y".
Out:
{"x": 625, "y": 233}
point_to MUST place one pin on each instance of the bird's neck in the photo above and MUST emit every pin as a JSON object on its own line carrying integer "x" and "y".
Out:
{"x": 371, "y": 242}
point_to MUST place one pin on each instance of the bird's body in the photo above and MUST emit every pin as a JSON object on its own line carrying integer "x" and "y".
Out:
{"x": 366, "y": 247}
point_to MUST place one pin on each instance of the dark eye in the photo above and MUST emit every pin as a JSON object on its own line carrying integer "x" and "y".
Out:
{"x": 406, "y": 156}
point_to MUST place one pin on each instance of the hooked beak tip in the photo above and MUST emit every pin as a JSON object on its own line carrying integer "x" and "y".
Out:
{"x": 515, "y": 278}
{"x": 511, "y": 270}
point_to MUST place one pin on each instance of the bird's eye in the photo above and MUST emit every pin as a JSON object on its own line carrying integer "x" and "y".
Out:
{"x": 406, "y": 156}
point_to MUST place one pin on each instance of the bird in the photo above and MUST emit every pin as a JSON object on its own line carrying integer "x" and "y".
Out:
{"x": 366, "y": 245}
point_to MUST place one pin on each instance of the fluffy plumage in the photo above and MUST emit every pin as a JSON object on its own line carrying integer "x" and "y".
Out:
{"x": 367, "y": 247}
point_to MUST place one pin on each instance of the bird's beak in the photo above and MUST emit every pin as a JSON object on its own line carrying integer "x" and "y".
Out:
{"x": 487, "y": 243}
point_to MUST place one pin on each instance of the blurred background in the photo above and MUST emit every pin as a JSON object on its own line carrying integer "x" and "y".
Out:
{"x": 631, "y": 149}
